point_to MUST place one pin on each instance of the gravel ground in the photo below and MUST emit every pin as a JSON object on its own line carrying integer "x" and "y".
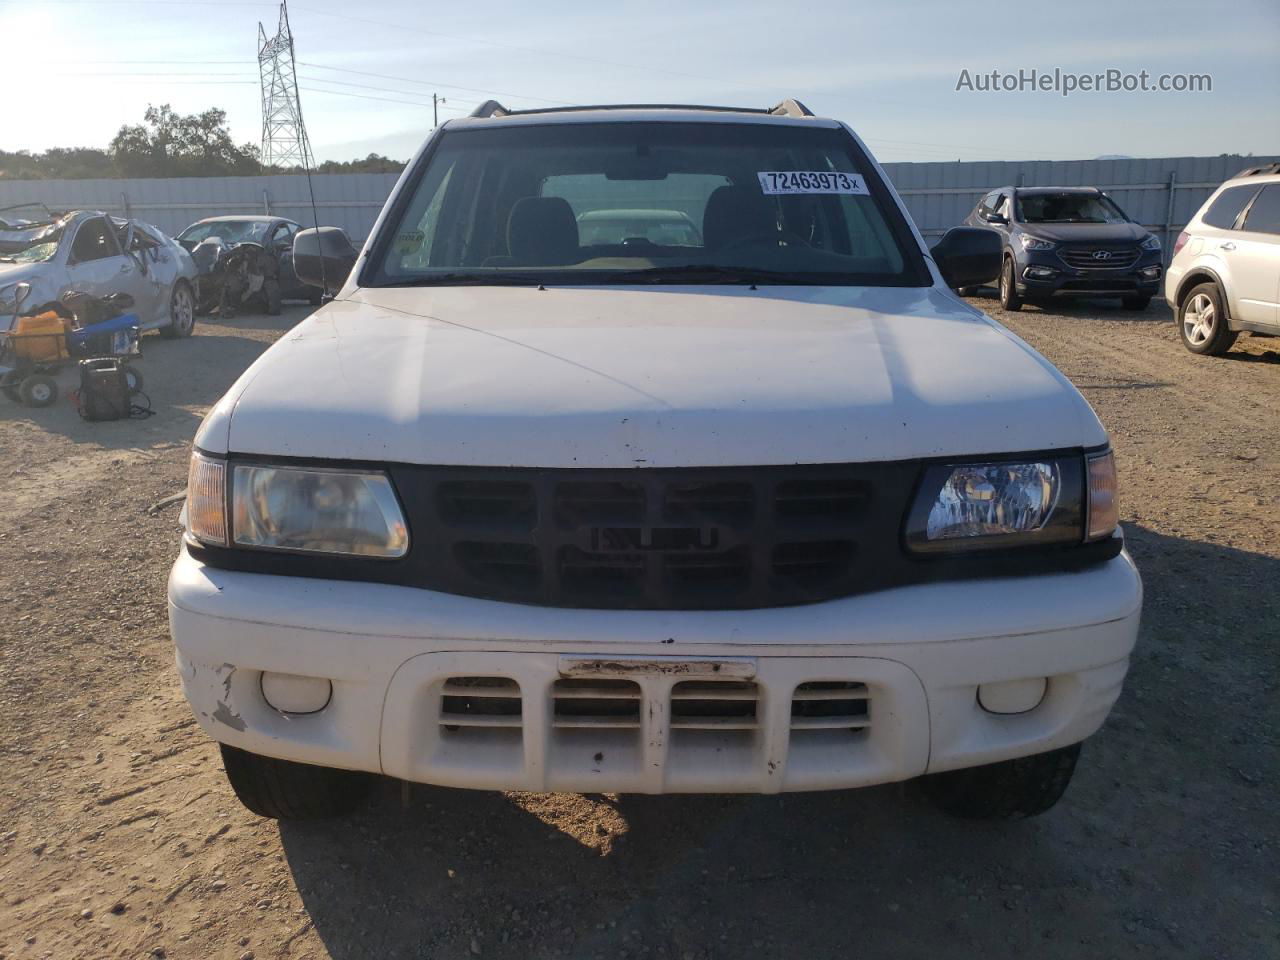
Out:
{"x": 120, "y": 838}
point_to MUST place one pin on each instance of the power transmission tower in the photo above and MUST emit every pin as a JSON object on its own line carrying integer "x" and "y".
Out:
{"x": 284, "y": 137}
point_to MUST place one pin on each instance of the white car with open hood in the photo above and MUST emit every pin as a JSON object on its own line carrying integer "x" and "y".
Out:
{"x": 754, "y": 506}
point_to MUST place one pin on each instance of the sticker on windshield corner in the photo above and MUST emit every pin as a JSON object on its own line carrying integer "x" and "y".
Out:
{"x": 796, "y": 181}
{"x": 409, "y": 242}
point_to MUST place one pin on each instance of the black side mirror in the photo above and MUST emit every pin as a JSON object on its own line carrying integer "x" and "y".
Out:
{"x": 323, "y": 257}
{"x": 968, "y": 256}
{"x": 998, "y": 218}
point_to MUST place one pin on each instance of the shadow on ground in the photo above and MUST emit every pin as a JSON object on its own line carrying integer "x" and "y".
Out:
{"x": 1165, "y": 822}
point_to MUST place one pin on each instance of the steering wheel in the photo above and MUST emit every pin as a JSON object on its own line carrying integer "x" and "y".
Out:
{"x": 771, "y": 238}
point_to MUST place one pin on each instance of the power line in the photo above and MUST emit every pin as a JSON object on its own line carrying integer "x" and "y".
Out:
{"x": 432, "y": 83}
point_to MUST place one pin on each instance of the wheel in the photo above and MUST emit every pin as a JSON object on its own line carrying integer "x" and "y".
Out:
{"x": 1202, "y": 321}
{"x": 182, "y": 312}
{"x": 284, "y": 790}
{"x": 1005, "y": 791}
{"x": 272, "y": 298}
{"x": 9, "y": 386}
{"x": 1009, "y": 298}
{"x": 1135, "y": 303}
{"x": 37, "y": 390}
{"x": 134, "y": 378}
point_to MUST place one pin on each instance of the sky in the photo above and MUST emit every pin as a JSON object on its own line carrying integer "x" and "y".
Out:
{"x": 890, "y": 69}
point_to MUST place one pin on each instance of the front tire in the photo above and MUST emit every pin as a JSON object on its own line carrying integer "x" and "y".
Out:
{"x": 1009, "y": 790}
{"x": 284, "y": 790}
{"x": 182, "y": 312}
{"x": 1009, "y": 298}
{"x": 272, "y": 297}
{"x": 38, "y": 390}
{"x": 1202, "y": 321}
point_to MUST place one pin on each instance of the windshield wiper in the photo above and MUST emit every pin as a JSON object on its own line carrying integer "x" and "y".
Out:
{"x": 466, "y": 279}
{"x": 705, "y": 273}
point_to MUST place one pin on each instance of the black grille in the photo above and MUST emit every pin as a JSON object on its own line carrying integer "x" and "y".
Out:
{"x": 1098, "y": 257}
{"x": 659, "y": 539}
{"x": 665, "y": 539}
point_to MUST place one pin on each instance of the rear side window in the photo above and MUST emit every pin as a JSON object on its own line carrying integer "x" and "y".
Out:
{"x": 1264, "y": 215}
{"x": 1223, "y": 211}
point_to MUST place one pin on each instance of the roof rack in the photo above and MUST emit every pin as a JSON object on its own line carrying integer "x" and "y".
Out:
{"x": 1265, "y": 170}
{"x": 787, "y": 108}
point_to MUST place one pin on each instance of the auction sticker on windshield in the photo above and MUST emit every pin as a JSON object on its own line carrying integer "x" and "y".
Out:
{"x": 797, "y": 181}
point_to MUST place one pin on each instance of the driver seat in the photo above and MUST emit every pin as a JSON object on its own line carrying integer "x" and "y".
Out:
{"x": 734, "y": 212}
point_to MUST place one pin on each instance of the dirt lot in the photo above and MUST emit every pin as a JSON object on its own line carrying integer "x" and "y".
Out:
{"x": 120, "y": 838}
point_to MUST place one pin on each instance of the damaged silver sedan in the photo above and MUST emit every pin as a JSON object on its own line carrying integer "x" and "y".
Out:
{"x": 97, "y": 254}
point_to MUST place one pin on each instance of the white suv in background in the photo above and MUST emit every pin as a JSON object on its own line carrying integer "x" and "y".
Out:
{"x": 1225, "y": 272}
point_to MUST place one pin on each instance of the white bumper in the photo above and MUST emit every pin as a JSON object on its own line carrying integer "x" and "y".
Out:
{"x": 920, "y": 653}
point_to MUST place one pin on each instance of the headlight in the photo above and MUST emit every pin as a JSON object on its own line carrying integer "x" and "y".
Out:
{"x": 300, "y": 509}
{"x": 1035, "y": 243}
{"x": 1150, "y": 242}
{"x": 985, "y": 506}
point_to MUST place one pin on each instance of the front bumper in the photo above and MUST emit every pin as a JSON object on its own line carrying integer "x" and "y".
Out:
{"x": 1069, "y": 281}
{"x": 921, "y": 653}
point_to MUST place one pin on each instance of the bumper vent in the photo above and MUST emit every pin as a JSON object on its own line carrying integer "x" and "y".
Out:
{"x": 596, "y": 704}
{"x": 830, "y": 705}
{"x": 714, "y": 705}
{"x": 489, "y": 702}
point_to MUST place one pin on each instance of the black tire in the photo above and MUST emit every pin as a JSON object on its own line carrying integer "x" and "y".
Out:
{"x": 182, "y": 312}
{"x": 1009, "y": 790}
{"x": 1213, "y": 339}
{"x": 37, "y": 390}
{"x": 1009, "y": 298}
{"x": 1135, "y": 303}
{"x": 134, "y": 376}
{"x": 284, "y": 790}
{"x": 272, "y": 298}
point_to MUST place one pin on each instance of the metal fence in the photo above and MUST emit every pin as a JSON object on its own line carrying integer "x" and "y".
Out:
{"x": 1162, "y": 194}
{"x": 347, "y": 200}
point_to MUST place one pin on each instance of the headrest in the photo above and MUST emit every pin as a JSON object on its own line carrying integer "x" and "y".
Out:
{"x": 736, "y": 211}
{"x": 542, "y": 231}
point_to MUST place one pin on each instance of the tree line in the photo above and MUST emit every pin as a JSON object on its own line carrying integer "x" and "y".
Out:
{"x": 168, "y": 144}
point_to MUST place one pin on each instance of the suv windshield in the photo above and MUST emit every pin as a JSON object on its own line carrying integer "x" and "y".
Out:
{"x": 1068, "y": 208}
{"x": 635, "y": 202}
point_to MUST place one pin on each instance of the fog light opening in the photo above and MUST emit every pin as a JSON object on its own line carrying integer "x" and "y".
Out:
{"x": 292, "y": 694}
{"x": 1012, "y": 696}
{"x": 1039, "y": 273}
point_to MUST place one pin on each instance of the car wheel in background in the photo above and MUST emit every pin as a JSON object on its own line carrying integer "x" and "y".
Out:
{"x": 182, "y": 312}
{"x": 1008, "y": 790}
{"x": 9, "y": 386}
{"x": 1202, "y": 321}
{"x": 1009, "y": 298}
{"x": 1135, "y": 303}
{"x": 272, "y": 297}
{"x": 284, "y": 790}
{"x": 38, "y": 390}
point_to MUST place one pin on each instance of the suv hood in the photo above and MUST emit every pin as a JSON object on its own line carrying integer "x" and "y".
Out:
{"x": 647, "y": 377}
{"x": 1086, "y": 232}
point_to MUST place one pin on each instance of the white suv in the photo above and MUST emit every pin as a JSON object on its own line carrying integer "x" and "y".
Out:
{"x": 756, "y": 507}
{"x": 1225, "y": 272}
